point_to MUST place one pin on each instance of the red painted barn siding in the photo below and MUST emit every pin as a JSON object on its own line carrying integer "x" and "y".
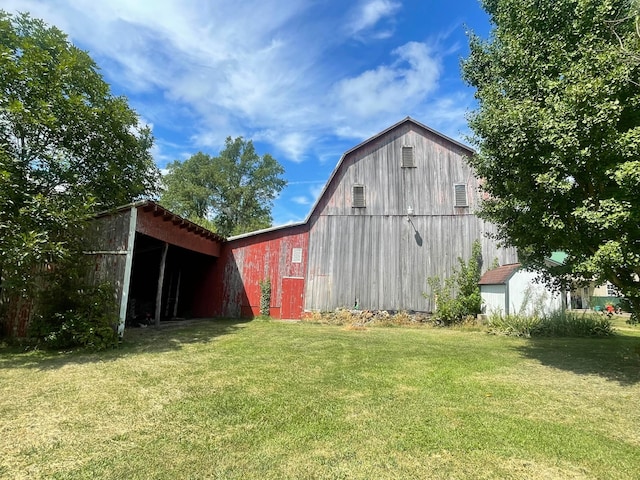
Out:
{"x": 206, "y": 298}
{"x": 245, "y": 262}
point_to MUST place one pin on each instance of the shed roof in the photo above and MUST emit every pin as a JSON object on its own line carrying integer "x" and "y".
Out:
{"x": 167, "y": 216}
{"x": 558, "y": 257}
{"x": 500, "y": 275}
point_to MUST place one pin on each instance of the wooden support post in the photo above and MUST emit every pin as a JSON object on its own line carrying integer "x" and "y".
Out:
{"x": 167, "y": 307}
{"x": 126, "y": 284}
{"x": 175, "y": 304}
{"x": 163, "y": 262}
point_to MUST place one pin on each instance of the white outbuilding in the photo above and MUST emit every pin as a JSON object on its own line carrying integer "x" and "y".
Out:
{"x": 511, "y": 289}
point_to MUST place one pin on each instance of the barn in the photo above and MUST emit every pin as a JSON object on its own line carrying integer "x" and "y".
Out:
{"x": 397, "y": 209}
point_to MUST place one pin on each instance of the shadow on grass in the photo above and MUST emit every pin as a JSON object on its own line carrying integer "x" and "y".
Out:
{"x": 615, "y": 358}
{"x": 170, "y": 336}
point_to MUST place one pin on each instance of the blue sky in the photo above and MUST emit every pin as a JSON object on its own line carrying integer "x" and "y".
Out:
{"x": 306, "y": 80}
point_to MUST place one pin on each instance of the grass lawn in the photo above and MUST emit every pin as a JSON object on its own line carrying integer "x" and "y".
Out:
{"x": 269, "y": 400}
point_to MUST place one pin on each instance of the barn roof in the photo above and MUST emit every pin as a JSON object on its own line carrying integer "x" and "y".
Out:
{"x": 267, "y": 230}
{"x": 500, "y": 275}
{"x": 341, "y": 161}
{"x": 170, "y": 218}
{"x": 399, "y": 124}
{"x": 558, "y": 258}
{"x": 376, "y": 137}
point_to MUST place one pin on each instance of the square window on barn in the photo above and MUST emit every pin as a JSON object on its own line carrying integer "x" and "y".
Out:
{"x": 296, "y": 255}
{"x": 612, "y": 291}
{"x": 408, "y": 159}
{"x": 358, "y": 199}
{"x": 460, "y": 194}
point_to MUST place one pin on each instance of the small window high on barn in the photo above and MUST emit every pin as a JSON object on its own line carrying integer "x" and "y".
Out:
{"x": 408, "y": 159}
{"x": 358, "y": 198}
{"x": 460, "y": 193}
{"x": 296, "y": 255}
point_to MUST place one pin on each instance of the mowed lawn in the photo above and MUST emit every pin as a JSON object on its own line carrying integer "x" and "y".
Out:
{"x": 268, "y": 400}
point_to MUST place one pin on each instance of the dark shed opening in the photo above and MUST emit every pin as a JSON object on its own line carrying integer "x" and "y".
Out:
{"x": 184, "y": 272}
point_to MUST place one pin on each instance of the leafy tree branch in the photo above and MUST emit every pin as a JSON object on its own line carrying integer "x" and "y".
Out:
{"x": 68, "y": 148}
{"x": 557, "y": 129}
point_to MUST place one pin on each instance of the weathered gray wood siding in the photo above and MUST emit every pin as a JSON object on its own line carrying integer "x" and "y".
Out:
{"x": 107, "y": 246}
{"x": 379, "y": 256}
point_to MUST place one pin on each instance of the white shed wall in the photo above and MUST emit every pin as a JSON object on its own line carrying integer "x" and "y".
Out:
{"x": 527, "y": 297}
{"x": 493, "y": 298}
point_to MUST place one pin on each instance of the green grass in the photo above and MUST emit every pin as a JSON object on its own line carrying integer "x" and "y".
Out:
{"x": 269, "y": 400}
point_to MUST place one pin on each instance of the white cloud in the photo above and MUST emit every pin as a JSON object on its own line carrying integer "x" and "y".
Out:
{"x": 165, "y": 152}
{"x": 369, "y": 13}
{"x": 389, "y": 89}
{"x": 257, "y": 68}
{"x": 293, "y": 144}
{"x": 301, "y": 200}
{"x": 316, "y": 191}
{"x": 307, "y": 182}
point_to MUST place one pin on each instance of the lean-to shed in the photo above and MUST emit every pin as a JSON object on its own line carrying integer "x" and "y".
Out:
{"x": 158, "y": 262}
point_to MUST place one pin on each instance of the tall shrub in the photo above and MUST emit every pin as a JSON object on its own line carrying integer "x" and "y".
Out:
{"x": 70, "y": 313}
{"x": 458, "y": 296}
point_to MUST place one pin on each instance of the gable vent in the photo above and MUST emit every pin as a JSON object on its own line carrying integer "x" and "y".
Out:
{"x": 408, "y": 159}
{"x": 358, "y": 200}
{"x": 460, "y": 190}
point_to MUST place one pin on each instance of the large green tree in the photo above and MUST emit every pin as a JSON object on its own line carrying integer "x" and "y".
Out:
{"x": 232, "y": 193}
{"x": 557, "y": 129}
{"x": 68, "y": 148}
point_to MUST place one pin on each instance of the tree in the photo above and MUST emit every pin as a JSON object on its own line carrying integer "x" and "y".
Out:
{"x": 232, "y": 193}
{"x": 630, "y": 44}
{"x": 557, "y": 129}
{"x": 68, "y": 148}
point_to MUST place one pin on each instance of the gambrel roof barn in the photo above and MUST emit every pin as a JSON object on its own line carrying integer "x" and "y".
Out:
{"x": 397, "y": 209}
